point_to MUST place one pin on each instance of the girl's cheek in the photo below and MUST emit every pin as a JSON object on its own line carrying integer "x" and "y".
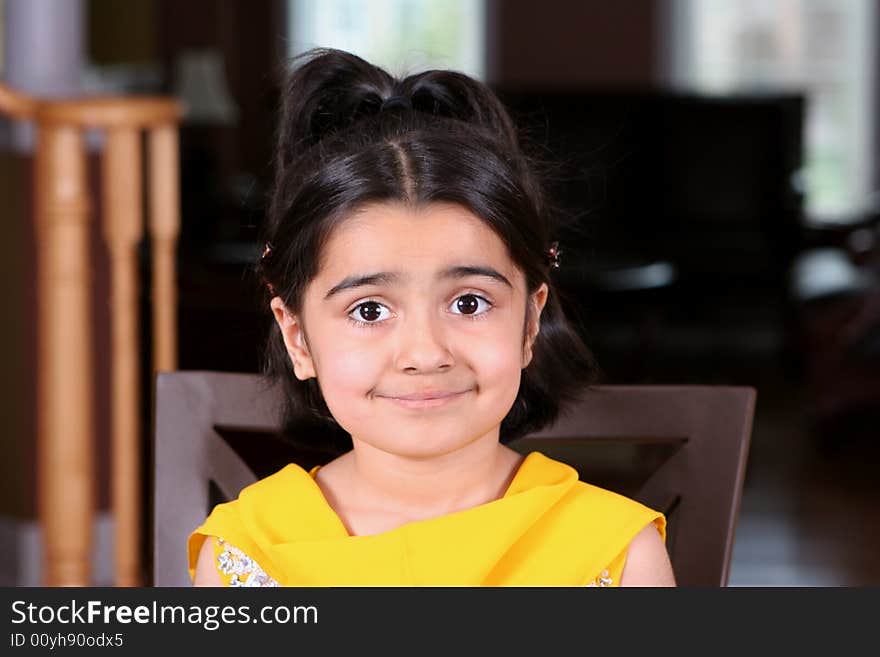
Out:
{"x": 494, "y": 353}
{"x": 349, "y": 369}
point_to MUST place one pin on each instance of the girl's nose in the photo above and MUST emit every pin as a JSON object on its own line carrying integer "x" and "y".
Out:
{"x": 422, "y": 344}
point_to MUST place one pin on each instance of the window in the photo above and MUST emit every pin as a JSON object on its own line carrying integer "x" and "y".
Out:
{"x": 821, "y": 47}
{"x": 400, "y": 35}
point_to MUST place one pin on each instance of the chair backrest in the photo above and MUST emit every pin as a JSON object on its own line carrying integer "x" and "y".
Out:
{"x": 679, "y": 449}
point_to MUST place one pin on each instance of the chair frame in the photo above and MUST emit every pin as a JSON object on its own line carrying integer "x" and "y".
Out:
{"x": 703, "y": 431}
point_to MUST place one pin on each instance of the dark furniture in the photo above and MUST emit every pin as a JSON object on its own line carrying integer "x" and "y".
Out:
{"x": 836, "y": 292}
{"x": 683, "y": 215}
{"x": 707, "y": 183}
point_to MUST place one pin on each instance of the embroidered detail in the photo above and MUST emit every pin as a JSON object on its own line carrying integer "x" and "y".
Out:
{"x": 602, "y": 580}
{"x": 244, "y": 570}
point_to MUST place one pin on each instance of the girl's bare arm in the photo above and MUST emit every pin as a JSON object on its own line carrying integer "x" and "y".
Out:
{"x": 647, "y": 561}
{"x": 206, "y": 567}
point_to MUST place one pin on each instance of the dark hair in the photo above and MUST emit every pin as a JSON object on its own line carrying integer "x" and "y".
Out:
{"x": 441, "y": 137}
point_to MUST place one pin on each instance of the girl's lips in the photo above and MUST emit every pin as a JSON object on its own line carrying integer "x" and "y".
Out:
{"x": 427, "y": 400}
{"x": 428, "y": 394}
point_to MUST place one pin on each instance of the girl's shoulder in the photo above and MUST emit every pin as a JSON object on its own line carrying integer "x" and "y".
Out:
{"x": 605, "y": 500}
{"x": 281, "y": 482}
{"x": 610, "y": 513}
{"x": 584, "y": 504}
{"x": 258, "y": 513}
{"x": 268, "y": 501}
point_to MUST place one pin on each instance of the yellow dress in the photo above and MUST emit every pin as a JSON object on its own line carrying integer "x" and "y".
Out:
{"x": 548, "y": 529}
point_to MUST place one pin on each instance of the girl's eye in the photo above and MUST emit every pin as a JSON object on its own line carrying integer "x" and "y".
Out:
{"x": 468, "y": 304}
{"x": 369, "y": 312}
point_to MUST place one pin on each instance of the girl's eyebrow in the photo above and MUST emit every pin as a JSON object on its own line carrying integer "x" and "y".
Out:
{"x": 389, "y": 278}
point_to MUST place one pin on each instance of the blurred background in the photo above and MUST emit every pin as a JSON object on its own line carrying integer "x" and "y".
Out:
{"x": 717, "y": 159}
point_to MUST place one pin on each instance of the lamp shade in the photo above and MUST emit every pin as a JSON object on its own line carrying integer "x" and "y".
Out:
{"x": 200, "y": 83}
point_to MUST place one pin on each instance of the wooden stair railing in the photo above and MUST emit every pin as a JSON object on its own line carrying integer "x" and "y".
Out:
{"x": 65, "y": 423}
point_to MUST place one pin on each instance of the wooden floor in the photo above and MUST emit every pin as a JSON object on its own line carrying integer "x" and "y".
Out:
{"x": 810, "y": 514}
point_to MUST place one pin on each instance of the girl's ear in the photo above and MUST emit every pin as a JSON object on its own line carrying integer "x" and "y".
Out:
{"x": 294, "y": 340}
{"x": 537, "y": 301}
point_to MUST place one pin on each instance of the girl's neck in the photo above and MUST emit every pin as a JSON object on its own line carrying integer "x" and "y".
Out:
{"x": 418, "y": 489}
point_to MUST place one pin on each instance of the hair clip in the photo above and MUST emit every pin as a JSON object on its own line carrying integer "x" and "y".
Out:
{"x": 268, "y": 249}
{"x": 553, "y": 254}
{"x": 267, "y": 252}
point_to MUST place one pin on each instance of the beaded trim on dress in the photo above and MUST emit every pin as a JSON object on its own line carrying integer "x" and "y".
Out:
{"x": 247, "y": 572}
{"x": 604, "y": 579}
{"x": 244, "y": 570}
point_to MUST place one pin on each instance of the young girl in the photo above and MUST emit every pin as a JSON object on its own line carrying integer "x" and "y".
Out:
{"x": 407, "y": 264}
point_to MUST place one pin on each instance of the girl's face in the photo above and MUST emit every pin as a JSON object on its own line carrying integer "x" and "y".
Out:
{"x": 414, "y": 328}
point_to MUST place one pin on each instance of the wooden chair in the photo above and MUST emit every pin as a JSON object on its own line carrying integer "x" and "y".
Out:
{"x": 679, "y": 449}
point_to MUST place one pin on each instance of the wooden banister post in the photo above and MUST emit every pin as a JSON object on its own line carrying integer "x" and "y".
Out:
{"x": 65, "y": 423}
{"x": 164, "y": 227}
{"x": 123, "y": 227}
